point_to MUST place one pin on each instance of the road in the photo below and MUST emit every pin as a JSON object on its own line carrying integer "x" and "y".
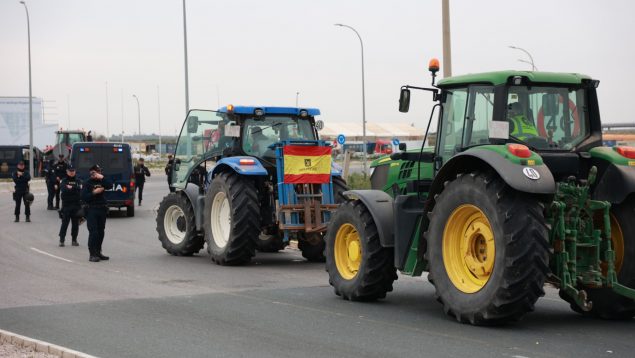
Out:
{"x": 145, "y": 303}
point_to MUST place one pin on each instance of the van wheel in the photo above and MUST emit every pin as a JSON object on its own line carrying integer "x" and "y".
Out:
{"x": 130, "y": 211}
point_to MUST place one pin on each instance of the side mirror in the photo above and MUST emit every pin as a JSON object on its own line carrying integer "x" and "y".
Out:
{"x": 402, "y": 147}
{"x": 319, "y": 124}
{"x": 192, "y": 124}
{"x": 404, "y": 100}
{"x": 177, "y": 164}
{"x": 549, "y": 105}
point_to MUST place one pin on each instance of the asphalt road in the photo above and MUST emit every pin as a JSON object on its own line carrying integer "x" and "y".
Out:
{"x": 145, "y": 303}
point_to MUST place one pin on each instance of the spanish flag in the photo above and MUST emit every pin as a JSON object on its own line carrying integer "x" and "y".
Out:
{"x": 306, "y": 164}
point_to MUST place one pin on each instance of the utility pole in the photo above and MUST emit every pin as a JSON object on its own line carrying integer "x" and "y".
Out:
{"x": 107, "y": 117}
{"x": 31, "y": 156}
{"x": 122, "y": 131}
{"x": 447, "y": 44}
{"x": 159, "y": 118}
{"x": 187, "y": 87}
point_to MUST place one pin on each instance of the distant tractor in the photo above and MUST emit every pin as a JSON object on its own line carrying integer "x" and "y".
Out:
{"x": 250, "y": 178}
{"x": 64, "y": 140}
{"x": 518, "y": 191}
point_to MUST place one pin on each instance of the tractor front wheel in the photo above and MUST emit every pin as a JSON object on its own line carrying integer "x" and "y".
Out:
{"x": 176, "y": 226}
{"x": 487, "y": 250}
{"x": 359, "y": 268}
{"x": 232, "y": 218}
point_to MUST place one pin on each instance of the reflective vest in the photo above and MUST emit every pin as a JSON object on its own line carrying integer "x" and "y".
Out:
{"x": 522, "y": 127}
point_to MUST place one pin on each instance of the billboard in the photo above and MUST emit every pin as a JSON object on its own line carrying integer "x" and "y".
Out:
{"x": 14, "y": 123}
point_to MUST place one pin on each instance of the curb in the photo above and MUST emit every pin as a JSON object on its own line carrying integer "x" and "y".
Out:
{"x": 40, "y": 346}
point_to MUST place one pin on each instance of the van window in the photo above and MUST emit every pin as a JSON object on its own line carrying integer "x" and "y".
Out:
{"x": 8, "y": 154}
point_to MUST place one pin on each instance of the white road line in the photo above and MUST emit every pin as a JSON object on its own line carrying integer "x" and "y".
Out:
{"x": 47, "y": 254}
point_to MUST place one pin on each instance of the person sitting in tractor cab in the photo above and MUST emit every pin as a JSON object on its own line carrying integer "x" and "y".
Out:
{"x": 258, "y": 142}
{"x": 520, "y": 126}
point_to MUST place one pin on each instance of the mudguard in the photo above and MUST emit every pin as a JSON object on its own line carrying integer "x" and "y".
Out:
{"x": 380, "y": 206}
{"x": 197, "y": 200}
{"x": 515, "y": 175}
{"x": 234, "y": 164}
{"x": 616, "y": 184}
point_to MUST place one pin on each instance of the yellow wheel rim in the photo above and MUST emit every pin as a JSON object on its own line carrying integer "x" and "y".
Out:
{"x": 617, "y": 243}
{"x": 468, "y": 248}
{"x": 348, "y": 251}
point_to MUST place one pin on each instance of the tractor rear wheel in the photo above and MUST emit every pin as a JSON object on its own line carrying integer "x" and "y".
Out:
{"x": 339, "y": 187}
{"x": 176, "y": 226}
{"x": 232, "y": 219}
{"x": 487, "y": 250}
{"x": 606, "y": 303}
{"x": 312, "y": 246}
{"x": 359, "y": 268}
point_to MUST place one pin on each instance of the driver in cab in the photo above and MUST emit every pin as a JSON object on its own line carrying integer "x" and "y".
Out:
{"x": 520, "y": 126}
{"x": 258, "y": 142}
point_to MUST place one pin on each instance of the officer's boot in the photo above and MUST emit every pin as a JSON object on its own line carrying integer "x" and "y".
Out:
{"x": 75, "y": 243}
{"x": 28, "y": 218}
{"x": 17, "y": 218}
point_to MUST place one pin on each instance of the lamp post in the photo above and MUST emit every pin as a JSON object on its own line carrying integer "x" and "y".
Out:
{"x": 531, "y": 59}
{"x": 363, "y": 96}
{"x": 297, "y": 95}
{"x": 138, "y": 112}
{"x": 159, "y": 118}
{"x": 28, "y": 28}
{"x": 187, "y": 90}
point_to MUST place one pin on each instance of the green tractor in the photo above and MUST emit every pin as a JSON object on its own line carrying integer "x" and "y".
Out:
{"x": 516, "y": 192}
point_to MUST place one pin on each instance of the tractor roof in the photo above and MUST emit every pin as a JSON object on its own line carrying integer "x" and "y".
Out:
{"x": 271, "y": 110}
{"x": 501, "y": 77}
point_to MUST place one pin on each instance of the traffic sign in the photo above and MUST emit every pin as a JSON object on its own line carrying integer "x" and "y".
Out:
{"x": 395, "y": 141}
{"x": 341, "y": 139}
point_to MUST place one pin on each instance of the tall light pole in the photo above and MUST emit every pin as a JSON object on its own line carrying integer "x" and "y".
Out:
{"x": 159, "y": 118}
{"x": 363, "y": 96}
{"x": 447, "y": 44}
{"x": 531, "y": 59}
{"x": 138, "y": 112}
{"x": 187, "y": 87}
{"x": 28, "y": 29}
{"x": 297, "y": 95}
{"x": 107, "y": 119}
{"x": 122, "y": 130}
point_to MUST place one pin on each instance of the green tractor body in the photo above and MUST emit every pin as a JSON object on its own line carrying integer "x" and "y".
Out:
{"x": 517, "y": 191}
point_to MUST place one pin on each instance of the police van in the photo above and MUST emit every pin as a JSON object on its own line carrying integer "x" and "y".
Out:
{"x": 11, "y": 155}
{"x": 115, "y": 160}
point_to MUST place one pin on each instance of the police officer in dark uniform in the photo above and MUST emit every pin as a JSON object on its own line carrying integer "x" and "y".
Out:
{"x": 21, "y": 179}
{"x": 140, "y": 174}
{"x": 71, "y": 187}
{"x": 51, "y": 181}
{"x": 168, "y": 171}
{"x": 96, "y": 211}
{"x": 60, "y": 173}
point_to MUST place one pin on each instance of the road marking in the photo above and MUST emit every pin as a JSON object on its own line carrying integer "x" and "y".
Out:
{"x": 47, "y": 254}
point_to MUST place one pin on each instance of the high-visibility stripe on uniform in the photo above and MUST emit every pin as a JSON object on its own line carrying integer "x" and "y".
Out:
{"x": 306, "y": 164}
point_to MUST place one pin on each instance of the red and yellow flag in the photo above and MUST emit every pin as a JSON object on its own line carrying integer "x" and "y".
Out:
{"x": 306, "y": 164}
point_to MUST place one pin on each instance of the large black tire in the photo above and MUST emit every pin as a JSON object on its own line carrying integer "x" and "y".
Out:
{"x": 176, "y": 226}
{"x": 510, "y": 226}
{"x": 130, "y": 210}
{"x": 606, "y": 303}
{"x": 339, "y": 187}
{"x": 312, "y": 247}
{"x": 232, "y": 219}
{"x": 270, "y": 243}
{"x": 368, "y": 275}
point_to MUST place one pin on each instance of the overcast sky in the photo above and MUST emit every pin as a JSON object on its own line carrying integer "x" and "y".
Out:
{"x": 263, "y": 52}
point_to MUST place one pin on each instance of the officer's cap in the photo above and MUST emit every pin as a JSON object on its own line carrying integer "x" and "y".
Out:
{"x": 70, "y": 168}
{"x": 95, "y": 168}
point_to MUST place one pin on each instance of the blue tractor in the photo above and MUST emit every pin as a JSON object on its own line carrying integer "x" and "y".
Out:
{"x": 250, "y": 178}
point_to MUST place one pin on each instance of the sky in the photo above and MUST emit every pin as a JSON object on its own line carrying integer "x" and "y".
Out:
{"x": 89, "y": 57}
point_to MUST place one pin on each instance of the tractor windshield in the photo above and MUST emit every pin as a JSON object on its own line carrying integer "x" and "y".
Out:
{"x": 547, "y": 117}
{"x": 260, "y": 132}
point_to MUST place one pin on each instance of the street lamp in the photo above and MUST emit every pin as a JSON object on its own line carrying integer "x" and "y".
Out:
{"x": 363, "y": 96}
{"x": 138, "y": 112}
{"x": 159, "y": 118}
{"x": 297, "y": 95}
{"x": 531, "y": 59}
{"x": 31, "y": 156}
{"x": 187, "y": 91}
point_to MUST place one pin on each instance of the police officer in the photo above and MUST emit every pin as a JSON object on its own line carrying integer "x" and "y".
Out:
{"x": 96, "y": 211}
{"x": 60, "y": 173}
{"x": 168, "y": 171}
{"x": 51, "y": 181}
{"x": 71, "y": 188}
{"x": 140, "y": 174}
{"x": 21, "y": 179}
